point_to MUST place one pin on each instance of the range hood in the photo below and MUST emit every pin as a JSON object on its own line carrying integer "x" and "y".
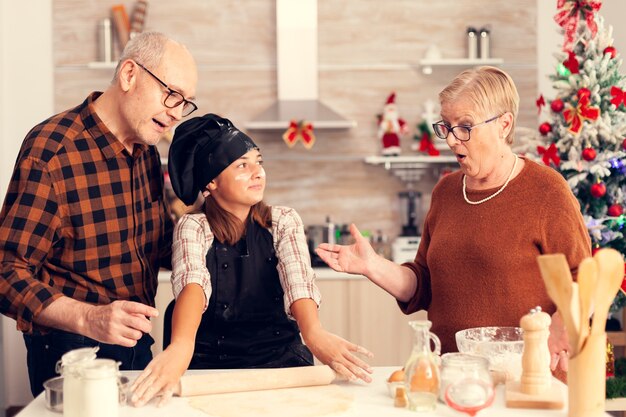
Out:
{"x": 296, "y": 51}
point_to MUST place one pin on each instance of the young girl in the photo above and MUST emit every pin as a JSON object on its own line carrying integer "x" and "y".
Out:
{"x": 241, "y": 270}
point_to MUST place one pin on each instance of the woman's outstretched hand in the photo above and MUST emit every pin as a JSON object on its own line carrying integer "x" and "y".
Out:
{"x": 353, "y": 258}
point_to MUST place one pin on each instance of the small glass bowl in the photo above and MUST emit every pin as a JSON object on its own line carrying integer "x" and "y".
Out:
{"x": 54, "y": 394}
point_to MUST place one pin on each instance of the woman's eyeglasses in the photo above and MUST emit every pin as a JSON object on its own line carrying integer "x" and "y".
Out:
{"x": 462, "y": 133}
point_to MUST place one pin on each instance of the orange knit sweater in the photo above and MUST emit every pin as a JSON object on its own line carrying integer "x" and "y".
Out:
{"x": 476, "y": 264}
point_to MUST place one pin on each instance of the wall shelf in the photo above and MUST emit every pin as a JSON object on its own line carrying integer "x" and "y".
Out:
{"x": 412, "y": 168}
{"x": 428, "y": 64}
{"x": 101, "y": 65}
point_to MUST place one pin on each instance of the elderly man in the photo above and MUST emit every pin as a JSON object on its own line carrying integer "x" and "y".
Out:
{"x": 84, "y": 228}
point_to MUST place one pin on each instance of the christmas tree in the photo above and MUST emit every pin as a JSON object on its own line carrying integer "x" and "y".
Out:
{"x": 584, "y": 132}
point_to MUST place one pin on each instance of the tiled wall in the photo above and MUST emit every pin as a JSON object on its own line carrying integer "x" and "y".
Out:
{"x": 367, "y": 48}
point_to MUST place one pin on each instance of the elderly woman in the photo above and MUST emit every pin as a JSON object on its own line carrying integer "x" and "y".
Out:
{"x": 476, "y": 264}
{"x": 241, "y": 273}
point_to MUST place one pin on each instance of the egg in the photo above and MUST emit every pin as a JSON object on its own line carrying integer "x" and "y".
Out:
{"x": 396, "y": 376}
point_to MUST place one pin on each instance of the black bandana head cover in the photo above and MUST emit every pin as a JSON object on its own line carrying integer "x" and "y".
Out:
{"x": 201, "y": 149}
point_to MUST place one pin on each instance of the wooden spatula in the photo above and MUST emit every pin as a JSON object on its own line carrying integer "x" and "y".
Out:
{"x": 610, "y": 275}
{"x": 558, "y": 280}
{"x": 587, "y": 280}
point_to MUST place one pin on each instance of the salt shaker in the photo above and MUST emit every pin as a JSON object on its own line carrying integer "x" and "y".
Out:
{"x": 106, "y": 40}
{"x": 484, "y": 43}
{"x": 472, "y": 43}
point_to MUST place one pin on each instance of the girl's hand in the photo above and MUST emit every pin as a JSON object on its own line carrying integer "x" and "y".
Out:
{"x": 162, "y": 375}
{"x": 339, "y": 354}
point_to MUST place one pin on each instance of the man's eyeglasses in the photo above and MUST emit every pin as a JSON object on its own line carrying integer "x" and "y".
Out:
{"x": 462, "y": 133}
{"x": 174, "y": 98}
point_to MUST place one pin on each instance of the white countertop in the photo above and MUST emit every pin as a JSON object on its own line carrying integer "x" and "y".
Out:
{"x": 320, "y": 274}
{"x": 371, "y": 400}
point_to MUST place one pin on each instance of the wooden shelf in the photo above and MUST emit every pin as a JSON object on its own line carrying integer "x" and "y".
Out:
{"x": 102, "y": 65}
{"x": 428, "y": 64}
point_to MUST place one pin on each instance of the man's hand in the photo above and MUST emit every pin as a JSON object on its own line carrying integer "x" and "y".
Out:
{"x": 120, "y": 323}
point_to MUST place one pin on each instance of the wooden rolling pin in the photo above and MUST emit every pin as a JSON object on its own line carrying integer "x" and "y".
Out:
{"x": 254, "y": 380}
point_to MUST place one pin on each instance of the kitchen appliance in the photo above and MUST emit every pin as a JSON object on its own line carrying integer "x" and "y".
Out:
{"x": 320, "y": 233}
{"x": 404, "y": 248}
{"x": 410, "y": 212}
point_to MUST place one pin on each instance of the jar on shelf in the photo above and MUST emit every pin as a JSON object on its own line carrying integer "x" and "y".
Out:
{"x": 472, "y": 43}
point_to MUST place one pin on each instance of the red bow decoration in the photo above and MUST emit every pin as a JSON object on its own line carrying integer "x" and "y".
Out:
{"x": 618, "y": 96}
{"x": 583, "y": 111}
{"x": 569, "y": 17}
{"x": 299, "y": 130}
{"x": 540, "y": 103}
{"x": 571, "y": 63}
{"x": 426, "y": 145}
{"x": 549, "y": 154}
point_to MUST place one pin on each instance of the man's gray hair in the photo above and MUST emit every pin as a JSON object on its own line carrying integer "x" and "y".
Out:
{"x": 146, "y": 48}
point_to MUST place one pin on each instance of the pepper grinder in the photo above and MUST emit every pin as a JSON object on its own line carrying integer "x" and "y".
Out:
{"x": 535, "y": 388}
{"x": 536, "y": 376}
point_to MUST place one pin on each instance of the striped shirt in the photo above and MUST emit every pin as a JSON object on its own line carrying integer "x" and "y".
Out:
{"x": 193, "y": 239}
{"x": 81, "y": 218}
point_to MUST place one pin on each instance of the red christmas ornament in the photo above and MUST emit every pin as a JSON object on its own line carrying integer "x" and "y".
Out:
{"x": 615, "y": 210}
{"x": 545, "y": 128}
{"x": 610, "y": 50}
{"x": 598, "y": 190}
{"x": 583, "y": 92}
{"x": 589, "y": 154}
{"x": 557, "y": 105}
{"x": 624, "y": 144}
{"x": 594, "y": 250}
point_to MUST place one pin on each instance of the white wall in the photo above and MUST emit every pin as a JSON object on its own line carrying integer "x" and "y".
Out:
{"x": 26, "y": 98}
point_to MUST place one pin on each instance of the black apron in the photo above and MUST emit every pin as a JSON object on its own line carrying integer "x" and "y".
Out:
{"x": 245, "y": 324}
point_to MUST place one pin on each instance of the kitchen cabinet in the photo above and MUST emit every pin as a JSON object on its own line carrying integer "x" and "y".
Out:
{"x": 352, "y": 307}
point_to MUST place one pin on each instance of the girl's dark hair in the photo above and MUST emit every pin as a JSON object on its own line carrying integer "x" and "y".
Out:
{"x": 226, "y": 227}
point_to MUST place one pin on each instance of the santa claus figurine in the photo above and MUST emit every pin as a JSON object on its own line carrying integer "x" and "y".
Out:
{"x": 391, "y": 127}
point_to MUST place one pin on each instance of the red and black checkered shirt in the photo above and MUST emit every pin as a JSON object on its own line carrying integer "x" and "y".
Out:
{"x": 82, "y": 218}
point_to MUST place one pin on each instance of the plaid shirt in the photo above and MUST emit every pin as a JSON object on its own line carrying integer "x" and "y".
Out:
{"x": 81, "y": 218}
{"x": 193, "y": 239}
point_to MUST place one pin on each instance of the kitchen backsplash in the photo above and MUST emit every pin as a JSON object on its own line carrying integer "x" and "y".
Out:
{"x": 366, "y": 50}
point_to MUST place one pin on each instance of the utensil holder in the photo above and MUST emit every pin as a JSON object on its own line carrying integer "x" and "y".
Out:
{"x": 586, "y": 379}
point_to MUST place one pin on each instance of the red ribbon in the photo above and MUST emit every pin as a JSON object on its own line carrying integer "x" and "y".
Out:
{"x": 618, "y": 96}
{"x": 569, "y": 16}
{"x": 540, "y": 103}
{"x": 571, "y": 63}
{"x": 549, "y": 154}
{"x": 426, "y": 145}
{"x": 583, "y": 111}
{"x": 299, "y": 130}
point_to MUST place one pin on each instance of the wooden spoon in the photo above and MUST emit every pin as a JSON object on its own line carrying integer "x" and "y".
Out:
{"x": 558, "y": 280}
{"x": 587, "y": 280}
{"x": 610, "y": 275}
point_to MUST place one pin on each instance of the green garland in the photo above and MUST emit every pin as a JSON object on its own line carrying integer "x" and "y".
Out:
{"x": 616, "y": 387}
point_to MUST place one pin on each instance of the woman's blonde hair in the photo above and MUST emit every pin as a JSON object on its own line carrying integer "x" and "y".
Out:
{"x": 489, "y": 90}
{"x": 226, "y": 227}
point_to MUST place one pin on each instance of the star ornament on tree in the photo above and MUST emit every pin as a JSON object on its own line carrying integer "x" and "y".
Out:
{"x": 575, "y": 116}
